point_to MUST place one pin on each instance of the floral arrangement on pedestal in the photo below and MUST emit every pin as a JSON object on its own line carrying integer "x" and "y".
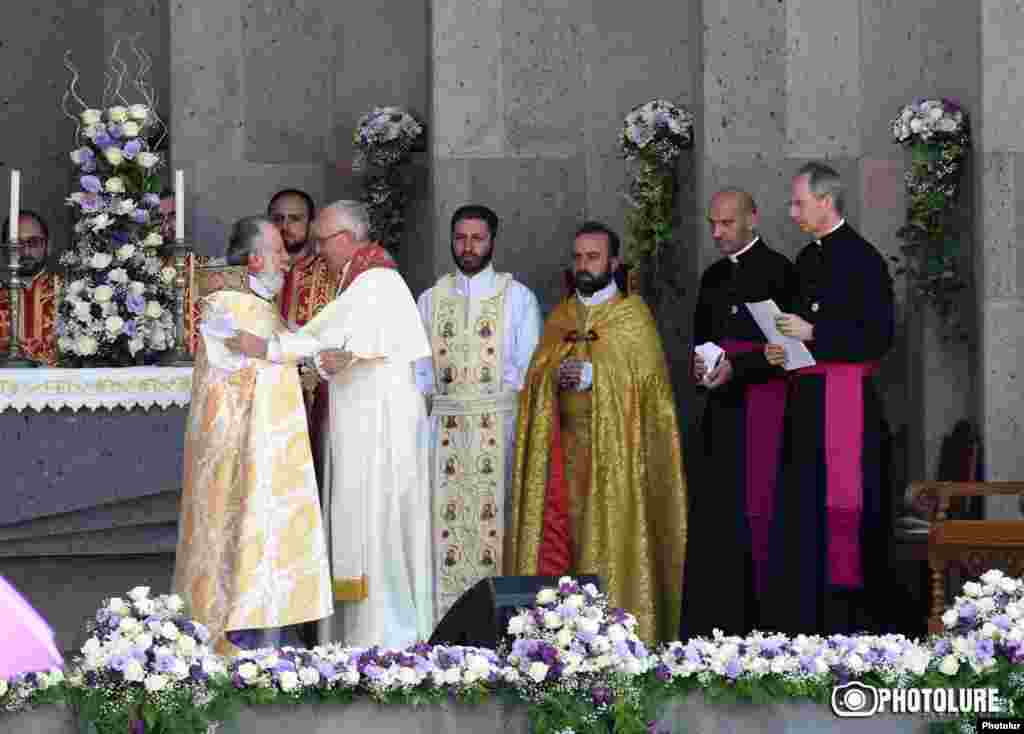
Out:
{"x": 146, "y": 666}
{"x": 653, "y": 136}
{"x": 119, "y": 299}
{"x": 384, "y": 139}
{"x": 937, "y": 134}
{"x": 576, "y": 664}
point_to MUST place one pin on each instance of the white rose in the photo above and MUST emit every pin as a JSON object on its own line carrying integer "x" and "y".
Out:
{"x": 91, "y": 131}
{"x": 616, "y": 633}
{"x": 114, "y": 325}
{"x": 130, "y": 129}
{"x": 147, "y": 159}
{"x": 118, "y": 606}
{"x": 153, "y": 309}
{"x": 125, "y": 251}
{"x": 170, "y": 631}
{"x": 125, "y": 206}
{"x": 470, "y": 677}
{"x": 600, "y": 644}
{"x": 102, "y": 293}
{"x": 186, "y": 646}
{"x": 100, "y": 260}
{"x": 180, "y": 669}
{"x": 156, "y": 682}
{"x": 289, "y": 680}
{"x": 130, "y": 626}
{"x": 972, "y": 588}
{"x": 3, "y": 687}
{"x": 91, "y": 647}
{"x": 138, "y": 112}
{"x": 986, "y": 605}
{"x": 117, "y": 114}
{"x": 407, "y": 677}
{"x": 100, "y": 222}
{"x": 546, "y": 596}
{"x": 350, "y": 677}
{"x": 820, "y": 666}
{"x": 153, "y": 239}
{"x": 77, "y": 197}
{"x": 90, "y": 117}
{"x": 538, "y": 671}
{"x": 109, "y": 309}
{"x": 174, "y": 602}
{"x": 168, "y": 274}
{"x": 452, "y": 676}
{"x": 552, "y": 620}
{"x": 950, "y": 617}
{"x": 989, "y": 630}
{"x": 118, "y": 275}
{"x": 65, "y": 344}
{"x": 134, "y": 672}
{"x": 80, "y": 155}
{"x": 915, "y": 125}
{"x": 137, "y": 288}
{"x": 114, "y": 185}
{"x": 516, "y": 625}
{"x": 76, "y": 286}
{"x": 248, "y": 671}
{"x": 144, "y": 641}
{"x": 136, "y": 345}
{"x": 139, "y": 592}
{"x": 949, "y": 665}
{"x": 114, "y": 156}
{"x": 511, "y": 675}
{"x": 1008, "y": 585}
{"x": 935, "y": 113}
{"x": 575, "y": 601}
{"x": 309, "y": 676}
{"x": 590, "y": 626}
{"x": 564, "y": 637}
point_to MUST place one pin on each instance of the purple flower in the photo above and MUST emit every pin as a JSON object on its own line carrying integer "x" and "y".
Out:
{"x": 103, "y": 140}
{"x": 115, "y": 131}
{"x": 943, "y": 648}
{"x": 771, "y": 647}
{"x": 138, "y": 726}
{"x": 151, "y": 200}
{"x": 88, "y": 166}
{"x": 985, "y": 649}
{"x": 732, "y": 669}
{"x": 91, "y": 202}
{"x": 132, "y": 148}
{"x": 1002, "y": 622}
{"x": 374, "y": 672}
{"x": 968, "y": 611}
{"x": 283, "y": 666}
{"x": 326, "y": 670}
{"x": 662, "y": 672}
{"x": 601, "y": 695}
{"x": 548, "y": 654}
{"x": 164, "y": 663}
{"x": 567, "y": 612}
{"x": 197, "y": 673}
{"x": 692, "y": 653}
{"x": 118, "y": 662}
{"x": 617, "y": 616}
{"x": 91, "y": 184}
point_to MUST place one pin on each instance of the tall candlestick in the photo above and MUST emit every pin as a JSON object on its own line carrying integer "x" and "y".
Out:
{"x": 15, "y": 205}
{"x": 179, "y": 205}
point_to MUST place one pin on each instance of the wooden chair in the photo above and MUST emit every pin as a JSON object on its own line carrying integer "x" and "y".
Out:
{"x": 970, "y": 546}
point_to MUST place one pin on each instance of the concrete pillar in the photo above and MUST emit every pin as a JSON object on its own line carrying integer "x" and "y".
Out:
{"x": 1000, "y": 270}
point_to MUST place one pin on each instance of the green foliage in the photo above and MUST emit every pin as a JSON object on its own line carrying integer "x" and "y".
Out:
{"x": 649, "y": 220}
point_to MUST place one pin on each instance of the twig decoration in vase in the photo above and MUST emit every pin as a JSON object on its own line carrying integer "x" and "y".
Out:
{"x": 384, "y": 138}
{"x": 117, "y": 308}
{"x": 654, "y": 134}
{"x": 937, "y": 134}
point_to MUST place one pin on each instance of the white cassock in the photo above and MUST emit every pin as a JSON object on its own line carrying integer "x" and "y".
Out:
{"x": 377, "y": 480}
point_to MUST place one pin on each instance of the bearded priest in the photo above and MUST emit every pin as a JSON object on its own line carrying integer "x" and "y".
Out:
{"x": 598, "y": 482}
{"x": 37, "y": 332}
{"x": 376, "y": 472}
{"x": 252, "y": 554}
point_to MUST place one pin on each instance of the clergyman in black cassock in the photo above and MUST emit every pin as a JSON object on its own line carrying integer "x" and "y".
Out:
{"x": 830, "y": 535}
{"x": 730, "y": 507}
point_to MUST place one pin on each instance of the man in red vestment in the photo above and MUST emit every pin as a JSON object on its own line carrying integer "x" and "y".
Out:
{"x": 37, "y": 331}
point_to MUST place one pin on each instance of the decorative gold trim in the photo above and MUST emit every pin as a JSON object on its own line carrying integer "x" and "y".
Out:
{"x": 352, "y": 589}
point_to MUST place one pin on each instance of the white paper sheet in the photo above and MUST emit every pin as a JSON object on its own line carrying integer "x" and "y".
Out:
{"x": 712, "y": 354}
{"x": 797, "y": 354}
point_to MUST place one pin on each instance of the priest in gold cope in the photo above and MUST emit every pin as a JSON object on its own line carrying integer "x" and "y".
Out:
{"x": 599, "y": 486}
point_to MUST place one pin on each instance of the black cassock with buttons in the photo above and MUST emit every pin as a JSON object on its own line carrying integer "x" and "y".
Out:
{"x": 831, "y": 518}
{"x": 718, "y": 580}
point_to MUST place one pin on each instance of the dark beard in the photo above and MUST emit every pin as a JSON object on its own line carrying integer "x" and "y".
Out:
{"x": 589, "y": 284}
{"x": 295, "y": 247}
{"x": 480, "y": 265}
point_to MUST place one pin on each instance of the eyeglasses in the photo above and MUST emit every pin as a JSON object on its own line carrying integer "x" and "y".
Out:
{"x": 321, "y": 240}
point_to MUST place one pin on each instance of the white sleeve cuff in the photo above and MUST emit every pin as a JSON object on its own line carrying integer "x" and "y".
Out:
{"x": 586, "y": 376}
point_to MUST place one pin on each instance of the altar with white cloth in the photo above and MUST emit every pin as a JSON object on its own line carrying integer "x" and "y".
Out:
{"x": 90, "y": 496}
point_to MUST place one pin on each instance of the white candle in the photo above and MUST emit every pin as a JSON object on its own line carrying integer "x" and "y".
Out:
{"x": 179, "y": 205}
{"x": 15, "y": 205}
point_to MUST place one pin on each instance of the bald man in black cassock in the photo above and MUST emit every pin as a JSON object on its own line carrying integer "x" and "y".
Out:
{"x": 831, "y": 527}
{"x": 730, "y": 508}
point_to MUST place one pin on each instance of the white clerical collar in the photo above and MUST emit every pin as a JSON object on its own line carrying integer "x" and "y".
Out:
{"x": 735, "y": 257}
{"x": 476, "y": 282}
{"x": 601, "y": 296}
{"x": 261, "y": 289}
{"x": 841, "y": 223}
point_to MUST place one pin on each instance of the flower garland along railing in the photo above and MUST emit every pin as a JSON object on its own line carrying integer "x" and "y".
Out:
{"x": 384, "y": 138}
{"x": 577, "y": 665}
{"x": 117, "y": 308}
{"x": 937, "y": 134}
{"x": 653, "y": 136}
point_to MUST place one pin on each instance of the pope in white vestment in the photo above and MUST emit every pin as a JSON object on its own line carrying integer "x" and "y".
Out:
{"x": 377, "y": 484}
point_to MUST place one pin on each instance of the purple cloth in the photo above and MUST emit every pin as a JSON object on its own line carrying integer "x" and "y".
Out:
{"x": 26, "y": 640}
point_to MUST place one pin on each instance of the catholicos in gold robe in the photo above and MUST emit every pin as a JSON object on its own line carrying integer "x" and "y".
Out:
{"x": 251, "y": 551}
{"x": 598, "y": 484}
{"x": 37, "y": 318}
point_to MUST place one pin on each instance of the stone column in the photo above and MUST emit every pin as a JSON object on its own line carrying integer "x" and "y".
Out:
{"x": 1000, "y": 270}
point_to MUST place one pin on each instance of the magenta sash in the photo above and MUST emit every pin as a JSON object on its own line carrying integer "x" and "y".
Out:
{"x": 844, "y": 450}
{"x": 765, "y": 413}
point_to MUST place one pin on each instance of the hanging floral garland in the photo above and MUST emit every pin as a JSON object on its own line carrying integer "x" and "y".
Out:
{"x": 653, "y": 135}
{"x": 384, "y": 138}
{"x": 937, "y": 133}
